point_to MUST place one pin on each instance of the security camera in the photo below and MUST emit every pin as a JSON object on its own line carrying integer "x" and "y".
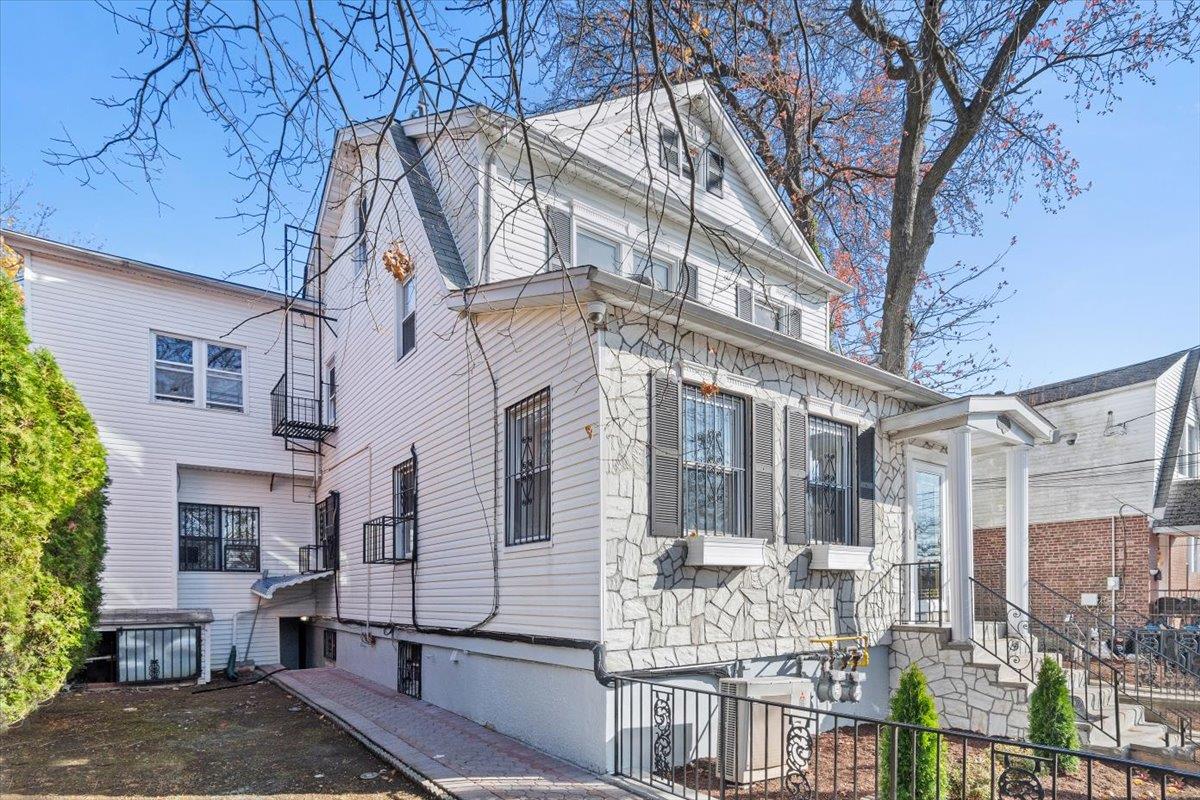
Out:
{"x": 596, "y": 312}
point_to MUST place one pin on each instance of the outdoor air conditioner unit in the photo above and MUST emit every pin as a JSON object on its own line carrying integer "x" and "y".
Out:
{"x": 754, "y": 735}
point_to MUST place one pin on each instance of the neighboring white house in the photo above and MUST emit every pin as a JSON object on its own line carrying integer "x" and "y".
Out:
{"x": 555, "y": 429}
{"x": 174, "y": 369}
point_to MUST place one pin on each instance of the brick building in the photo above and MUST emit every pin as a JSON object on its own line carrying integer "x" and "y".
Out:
{"x": 1116, "y": 496}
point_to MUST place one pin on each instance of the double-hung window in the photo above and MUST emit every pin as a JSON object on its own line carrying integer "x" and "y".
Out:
{"x": 178, "y": 378}
{"x": 360, "y": 236}
{"x": 174, "y": 374}
{"x": 714, "y": 172}
{"x": 1188, "y": 461}
{"x": 714, "y": 463}
{"x": 215, "y": 538}
{"x": 223, "y": 377}
{"x": 593, "y": 250}
{"x": 527, "y": 470}
{"x": 651, "y": 270}
{"x": 766, "y": 315}
{"x": 331, "y": 393}
{"x": 830, "y": 481}
{"x": 406, "y": 317}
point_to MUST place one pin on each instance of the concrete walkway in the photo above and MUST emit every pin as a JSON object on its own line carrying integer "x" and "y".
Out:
{"x": 449, "y": 754}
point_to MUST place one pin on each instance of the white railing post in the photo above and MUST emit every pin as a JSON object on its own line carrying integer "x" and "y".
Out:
{"x": 960, "y": 556}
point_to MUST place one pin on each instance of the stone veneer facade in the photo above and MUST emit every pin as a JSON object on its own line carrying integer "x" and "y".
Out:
{"x": 969, "y": 696}
{"x": 660, "y": 613}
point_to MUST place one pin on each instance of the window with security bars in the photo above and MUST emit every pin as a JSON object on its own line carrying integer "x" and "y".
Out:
{"x": 327, "y": 530}
{"x": 215, "y": 538}
{"x": 404, "y": 505}
{"x": 329, "y": 644}
{"x": 408, "y": 669}
{"x": 527, "y": 470}
{"x": 714, "y": 462}
{"x": 830, "y": 482}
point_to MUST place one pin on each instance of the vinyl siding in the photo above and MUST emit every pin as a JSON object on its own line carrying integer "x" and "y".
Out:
{"x": 97, "y": 321}
{"x": 439, "y": 398}
{"x": 1089, "y": 479}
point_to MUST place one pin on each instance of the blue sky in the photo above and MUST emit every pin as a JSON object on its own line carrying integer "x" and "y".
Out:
{"x": 1112, "y": 279}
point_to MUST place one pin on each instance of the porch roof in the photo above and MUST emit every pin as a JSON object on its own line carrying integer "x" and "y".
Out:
{"x": 1001, "y": 419}
{"x": 266, "y": 587}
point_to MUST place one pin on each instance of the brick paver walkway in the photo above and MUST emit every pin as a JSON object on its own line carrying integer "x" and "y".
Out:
{"x": 459, "y": 757}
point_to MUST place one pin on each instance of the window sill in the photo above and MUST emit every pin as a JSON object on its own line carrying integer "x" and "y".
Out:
{"x": 725, "y": 551}
{"x": 839, "y": 558}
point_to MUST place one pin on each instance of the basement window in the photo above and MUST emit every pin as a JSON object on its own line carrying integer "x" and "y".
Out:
{"x": 329, "y": 644}
{"x": 408, "y": 669}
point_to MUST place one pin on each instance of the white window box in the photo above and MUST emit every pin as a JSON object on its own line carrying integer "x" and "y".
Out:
{"x": 839, "y": 558}
{"x": 726, "y": 551}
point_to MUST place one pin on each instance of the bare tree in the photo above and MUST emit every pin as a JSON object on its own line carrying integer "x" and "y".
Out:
{"x": 886, "y": 123}
{"x": 17, "y": 211}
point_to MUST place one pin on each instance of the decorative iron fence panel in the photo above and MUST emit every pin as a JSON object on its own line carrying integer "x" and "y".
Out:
{"x": 697, "y": 743}
{"x": 158, "y": 655}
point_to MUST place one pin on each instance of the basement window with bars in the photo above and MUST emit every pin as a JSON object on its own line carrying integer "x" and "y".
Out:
{"x": 830, "y": 482}
{"x": 714, "y": 463}
{"x": 527, "y": 470}
{"x": 329, "y": 644}
{"x": 215, "y": 538}
{"x": 408, "y": 669}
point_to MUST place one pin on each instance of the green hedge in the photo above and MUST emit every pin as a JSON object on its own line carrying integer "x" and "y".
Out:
{"x": 918, "y": 764}
{"x": 1052, "y": 714}
{"x": 52, "y": 503}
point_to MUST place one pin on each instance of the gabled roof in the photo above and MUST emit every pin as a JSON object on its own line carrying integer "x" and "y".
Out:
{"x": 1182, "y": 504}
{"x": 437, "y": 228}
{"x": 1100, "y": 381}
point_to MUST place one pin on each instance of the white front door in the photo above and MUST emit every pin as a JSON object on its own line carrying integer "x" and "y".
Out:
{"x": 926, "y": 531}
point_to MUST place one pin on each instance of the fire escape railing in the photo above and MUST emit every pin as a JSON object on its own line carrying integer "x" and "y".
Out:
{"x": 297, "y": 416}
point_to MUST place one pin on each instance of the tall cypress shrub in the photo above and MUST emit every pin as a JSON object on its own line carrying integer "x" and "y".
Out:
{"x": 918, "y": 773}
{"x": 52, "y": 478}
{"x": 1051, "y": 713}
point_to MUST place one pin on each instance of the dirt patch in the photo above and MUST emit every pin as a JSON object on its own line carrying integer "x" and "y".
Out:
{"x": 168, "y": 742}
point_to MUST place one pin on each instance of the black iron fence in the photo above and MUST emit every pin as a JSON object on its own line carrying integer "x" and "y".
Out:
{"x": 297, "y": 416}
{"x": 698, "y": 743}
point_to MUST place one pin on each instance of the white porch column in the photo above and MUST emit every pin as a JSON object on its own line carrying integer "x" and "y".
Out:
{"x": 1016, "y": 537}
{"x": 960, "y": 555}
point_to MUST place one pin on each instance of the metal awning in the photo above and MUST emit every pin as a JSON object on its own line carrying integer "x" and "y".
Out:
{"x": 266, "y": 587}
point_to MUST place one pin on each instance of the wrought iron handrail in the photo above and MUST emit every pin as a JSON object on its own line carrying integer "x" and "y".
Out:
{"x": 1151, "y": 673}
{"x": 1025, "y": 636}
{"x": 919, "y": 591}
{"x": 692, "y": 742}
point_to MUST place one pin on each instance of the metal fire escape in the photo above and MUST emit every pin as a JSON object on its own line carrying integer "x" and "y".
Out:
{"x": 298, "y": 412}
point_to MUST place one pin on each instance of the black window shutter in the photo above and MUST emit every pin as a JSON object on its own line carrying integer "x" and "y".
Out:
{"x": 691, "y": 286}
{"x": 665, "y": 479}
{"x": 797, "y": 476}
{"x": 762, "y": 481}
{"x": 865, "y": 459}
{"x": 558, "y": 233}
{"x": 745, "y": 303}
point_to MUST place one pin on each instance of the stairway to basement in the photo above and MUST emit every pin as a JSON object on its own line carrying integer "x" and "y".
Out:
{"x": 977, "y": 689}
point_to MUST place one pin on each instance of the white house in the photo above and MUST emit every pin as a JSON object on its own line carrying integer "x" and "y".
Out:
{"x": 561, "y": 421}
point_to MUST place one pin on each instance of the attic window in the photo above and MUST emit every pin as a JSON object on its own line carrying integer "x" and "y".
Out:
{"x": 714, "y": 172}
{"x": 671, "y": 157}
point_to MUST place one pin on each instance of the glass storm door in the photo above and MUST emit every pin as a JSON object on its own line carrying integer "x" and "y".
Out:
{"x": 928, "y": 483}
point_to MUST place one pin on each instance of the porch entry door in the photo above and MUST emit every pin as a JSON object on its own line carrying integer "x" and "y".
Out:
{"x": 928, "y": 529}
